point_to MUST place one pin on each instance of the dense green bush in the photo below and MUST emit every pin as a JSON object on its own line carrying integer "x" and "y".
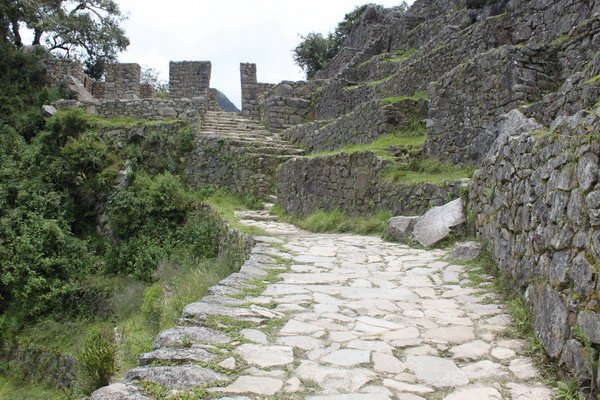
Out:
{"x": 96, "y": 360}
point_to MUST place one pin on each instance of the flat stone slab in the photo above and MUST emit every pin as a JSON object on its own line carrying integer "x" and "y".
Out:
{"x": 475, "y": 393}
{"x": 347, "y": 357}
{"x": 252, "y": 384}
{"x": 189, "y": 355}
{"x": 436, "y": 371}
{"x": 177, "y": 377}
{"x": 265, "y": 356}
{"x": 334, "y": 378}
{"x": 118, "y": 391}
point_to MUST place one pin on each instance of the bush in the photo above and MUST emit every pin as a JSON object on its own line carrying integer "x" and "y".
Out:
{"x": 150, "y": 204}
{"x": 96, "y": 360}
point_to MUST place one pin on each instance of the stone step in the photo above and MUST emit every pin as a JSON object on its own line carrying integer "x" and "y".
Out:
{"x": 176, "y": 377}
{"x": 179, "y": 356}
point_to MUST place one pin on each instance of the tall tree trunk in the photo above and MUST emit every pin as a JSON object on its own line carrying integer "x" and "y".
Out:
{"x": 17, "y": 35}
{"x": 37, "y": 36}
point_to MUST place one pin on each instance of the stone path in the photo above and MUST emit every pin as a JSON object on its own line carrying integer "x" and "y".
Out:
{"x": 340, "y": 317}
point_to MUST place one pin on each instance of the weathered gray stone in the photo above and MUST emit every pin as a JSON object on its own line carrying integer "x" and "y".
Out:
{"x": 183, "y": 376}
{"x": 400, "y": 228}
{"x": 118, "y": 391}
{"x": 551, "y": 321}
{"x": 176, "y": 355}
{"x": 437, "y": 371}
{"x": 465, "y": 251}
{"x": 436, "y": 223}
{"x": 590, "y": 325}
{"x": 188, "y": 336}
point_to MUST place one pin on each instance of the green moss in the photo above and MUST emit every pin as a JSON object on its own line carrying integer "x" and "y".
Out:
{"x": 594, "y": 80}
{"x": 560, "y": 40}
{"x": 399, "y": 55}
{"x": 396, "y": 99}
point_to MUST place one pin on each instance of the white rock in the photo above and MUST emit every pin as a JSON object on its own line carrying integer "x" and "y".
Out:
{"x": 436, "y": 371}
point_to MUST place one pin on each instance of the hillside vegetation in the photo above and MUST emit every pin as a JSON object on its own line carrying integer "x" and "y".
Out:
{"x": 69, "y": 280}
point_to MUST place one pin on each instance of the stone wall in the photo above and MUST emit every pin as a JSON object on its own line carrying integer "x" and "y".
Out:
{"x": 363, "y": 125}
{"x": 154, "y": 109}
{"x": 189, "y": 79}
{"x": 146, "y": 91}
{"x": 122, "y": 81}
{"x": 281, "y": 112}
{"x": 242, "y": 167}
{"x": 471, "y": 96}
{"x": 286, "y": 103}
{"x": 249, "y": 85}
{"x": 57, "y": 70}
{"x": 536, "y": 200}
{"x": 354, "y": 184}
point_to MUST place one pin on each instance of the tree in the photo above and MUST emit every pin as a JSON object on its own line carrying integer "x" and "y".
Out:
{"x": 313, "y": 53}
{"x": 151, "y": 77}
{"x": 316, "y": 50}
{"x": 86, "y": 30}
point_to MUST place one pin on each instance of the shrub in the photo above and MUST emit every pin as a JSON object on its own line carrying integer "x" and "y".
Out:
{"x": 96, "y": 360}
{"x": 150, "y": 202}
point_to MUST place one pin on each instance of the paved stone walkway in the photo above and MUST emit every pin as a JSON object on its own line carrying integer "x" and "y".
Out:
{"x": 343, "y": 317}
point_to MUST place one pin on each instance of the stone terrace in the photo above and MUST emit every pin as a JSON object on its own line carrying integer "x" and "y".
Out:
{"x": 315, "y": 316}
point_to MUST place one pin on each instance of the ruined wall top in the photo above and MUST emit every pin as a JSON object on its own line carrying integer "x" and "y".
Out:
{"x": 188, "y": 79}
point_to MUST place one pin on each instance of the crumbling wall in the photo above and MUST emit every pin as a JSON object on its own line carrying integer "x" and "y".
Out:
{"x": 122, "y": 81}
{"x": 250, "y": 106}
{"x": 472, "y": 95}
{"x": 189, "y": 79}
{"x": 154, "y": 109}
{"x": 363, "y": 125}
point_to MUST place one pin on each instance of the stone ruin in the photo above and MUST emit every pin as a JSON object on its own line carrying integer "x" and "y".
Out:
{"x": 508, "y": 85}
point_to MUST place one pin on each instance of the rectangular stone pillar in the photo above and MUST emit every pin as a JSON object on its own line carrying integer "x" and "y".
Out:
{"x": 250, "y": 105}
{"x": 188, "y": 79}
{"x": 122, "y": 81}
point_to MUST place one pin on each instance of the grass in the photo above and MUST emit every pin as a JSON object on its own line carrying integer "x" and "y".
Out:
{"x": 399, "y": 55}
{"x": 379, "y": 146}
{"x": 336, "y": 221}
{"x": 13, "y": 391}
{"x": 594, "y": 80}
{"x": 403, "y": 149}
{"x": 426, "y": 170}
{"x": 395, "y": 99}
{"x": 226, "y": 204}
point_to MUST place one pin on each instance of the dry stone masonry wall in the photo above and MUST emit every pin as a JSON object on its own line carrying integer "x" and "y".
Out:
{"x": 189, "y": 79}
{"x": 536, "y": 200}
{"x": 354, "y": 184}
{"x": 249, "y": 85}
{"x": 153, "y": 109}
{"x": 466, "y": 99}
{"x": 363, "y": 125}
{"x": 122, "y": 81}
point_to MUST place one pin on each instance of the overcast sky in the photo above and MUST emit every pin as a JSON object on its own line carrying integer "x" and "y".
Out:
{"x": 227, "y": 33}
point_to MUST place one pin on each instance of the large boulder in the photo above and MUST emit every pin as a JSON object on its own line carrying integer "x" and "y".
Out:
{"x": 400, "y": 228}
{"x": 436, "y": 223}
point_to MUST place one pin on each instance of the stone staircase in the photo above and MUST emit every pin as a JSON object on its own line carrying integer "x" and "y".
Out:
{"x": 237, "y": 153}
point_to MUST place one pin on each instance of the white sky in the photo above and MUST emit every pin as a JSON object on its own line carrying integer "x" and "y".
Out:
{"x": 227, "y": 33}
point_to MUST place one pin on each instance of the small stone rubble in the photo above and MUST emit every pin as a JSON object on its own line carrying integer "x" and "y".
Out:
{"x": 332, "y": 317}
